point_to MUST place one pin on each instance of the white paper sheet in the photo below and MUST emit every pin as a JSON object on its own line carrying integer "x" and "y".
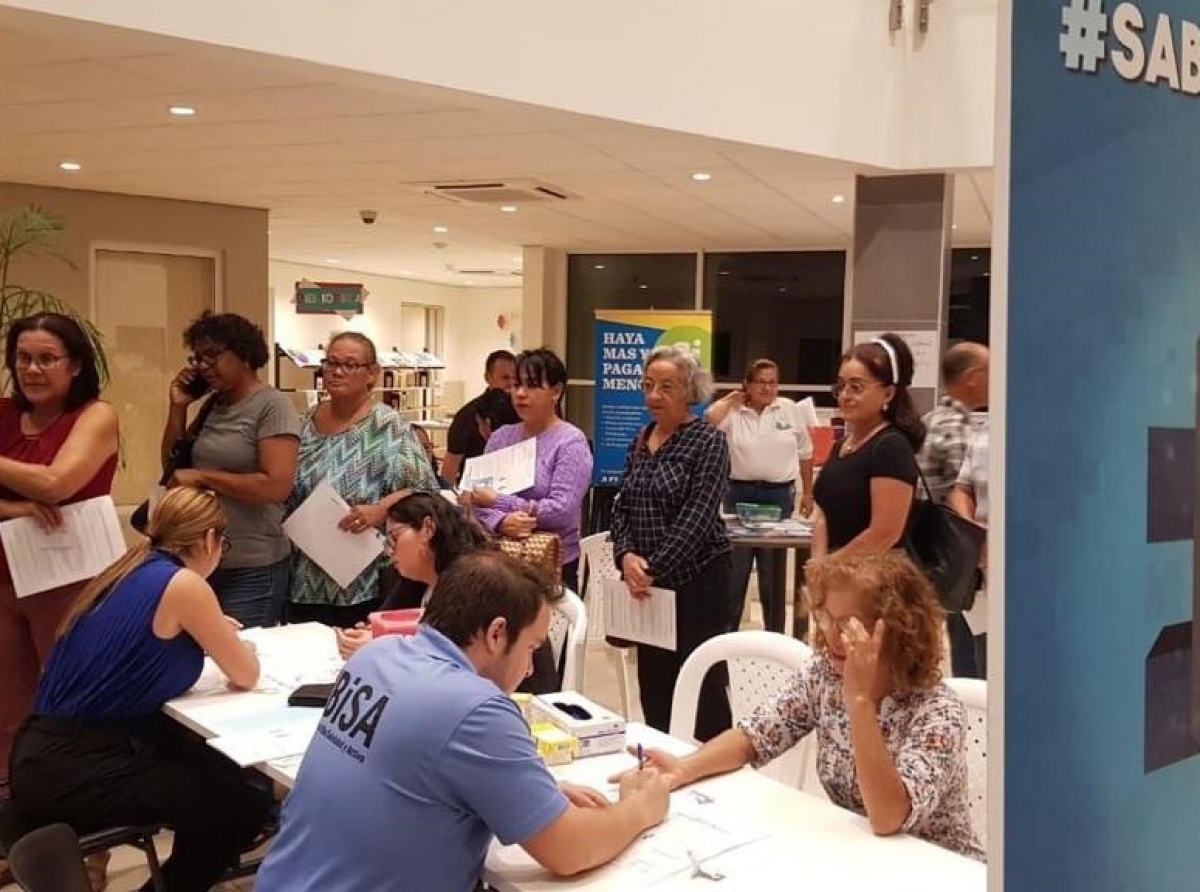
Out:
{"x": 808, "y": 412}
{"x": 692, "y": 831}
{"x": 88, "y": 541}
{"x": 278, "y": 734}
{"x": 509, "y": 470}
{"x": 313, "y": 527}
{"x": 648, "y": 621}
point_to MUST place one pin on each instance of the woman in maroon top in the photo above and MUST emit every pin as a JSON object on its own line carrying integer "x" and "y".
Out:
{"x": 58, "y": 445}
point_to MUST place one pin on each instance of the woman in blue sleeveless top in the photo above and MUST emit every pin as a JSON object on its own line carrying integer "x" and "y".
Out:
{"x": 96, "y": 751}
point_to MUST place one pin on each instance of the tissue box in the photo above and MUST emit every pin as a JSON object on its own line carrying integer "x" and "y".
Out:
{"x": 597, "y": 730}
{"x": 554, "y": 745}
{"x": 395, "y": 622}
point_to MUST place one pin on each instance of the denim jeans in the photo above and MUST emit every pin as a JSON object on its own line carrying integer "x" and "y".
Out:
{"x": 254, "y": 596}
{"x": 772, "y": 562}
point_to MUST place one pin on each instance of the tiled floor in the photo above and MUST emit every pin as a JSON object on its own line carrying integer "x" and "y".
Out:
{"x": 127, "y": 870}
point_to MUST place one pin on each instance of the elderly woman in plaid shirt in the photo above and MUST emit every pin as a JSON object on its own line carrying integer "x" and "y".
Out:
{"x": 667, "y": 531}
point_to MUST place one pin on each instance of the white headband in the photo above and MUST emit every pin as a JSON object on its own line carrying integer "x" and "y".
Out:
{"x": 891, "y": 352}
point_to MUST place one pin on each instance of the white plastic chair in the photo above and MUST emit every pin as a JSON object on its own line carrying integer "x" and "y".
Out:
{"x": 760, "y": 664}
{"x": 973, "y": 693}
{"x": 596, "y": 564}
{"x": 568, "y": 628}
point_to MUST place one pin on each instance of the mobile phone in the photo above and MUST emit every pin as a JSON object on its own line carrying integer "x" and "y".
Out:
{"x": 196, "y": 387}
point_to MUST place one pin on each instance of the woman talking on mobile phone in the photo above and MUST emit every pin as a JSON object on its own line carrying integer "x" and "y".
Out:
{"x": 246, "y": 453}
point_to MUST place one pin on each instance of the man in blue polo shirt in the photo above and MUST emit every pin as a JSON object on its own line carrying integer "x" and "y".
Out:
{"x": 421, "y": 756}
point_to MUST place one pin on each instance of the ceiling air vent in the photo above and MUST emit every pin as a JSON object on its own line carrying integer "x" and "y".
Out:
{"x": 496, "y": 192}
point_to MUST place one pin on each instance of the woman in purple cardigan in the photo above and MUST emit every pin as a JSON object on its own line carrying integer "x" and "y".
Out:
{"x": 564, "y": 463}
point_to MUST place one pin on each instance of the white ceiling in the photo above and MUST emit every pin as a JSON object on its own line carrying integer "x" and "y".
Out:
{"x": 315, "y": 145}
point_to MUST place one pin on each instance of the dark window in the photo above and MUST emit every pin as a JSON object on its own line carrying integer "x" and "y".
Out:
{"x": 620, "y": 282}
{"x": 970, "y": 295}
{"x": 786, "y": 306}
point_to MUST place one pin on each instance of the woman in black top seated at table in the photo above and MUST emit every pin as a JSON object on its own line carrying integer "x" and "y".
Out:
{"x": 97, "y": 752}
{"x": 865, "y": 490}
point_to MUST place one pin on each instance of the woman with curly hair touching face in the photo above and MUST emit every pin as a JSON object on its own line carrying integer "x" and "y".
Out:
{"x": 890, "y": 736}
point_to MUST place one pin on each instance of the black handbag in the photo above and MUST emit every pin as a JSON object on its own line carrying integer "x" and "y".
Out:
{"x": 947, "y": 547}
{"x": 180, "y": 457}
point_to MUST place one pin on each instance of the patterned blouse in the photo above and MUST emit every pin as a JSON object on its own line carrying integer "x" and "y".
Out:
{"x": 374, "y": 458}
{"x": 925, "y": 732}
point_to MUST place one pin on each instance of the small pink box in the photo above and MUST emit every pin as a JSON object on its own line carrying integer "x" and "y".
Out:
{"x": 395, "y": 622}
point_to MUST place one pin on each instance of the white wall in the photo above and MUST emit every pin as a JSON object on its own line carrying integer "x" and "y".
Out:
{"x": 470, "y": 318}
{"x": 823, "y": 77}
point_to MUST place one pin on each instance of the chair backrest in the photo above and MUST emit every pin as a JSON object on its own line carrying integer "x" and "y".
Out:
{"x": 49, "y": 860}
{"x": 568, "y": 638}
{"x": 760, "y": 664}
{"x": 596, "y": 564}
{"x": 973, "y": 693}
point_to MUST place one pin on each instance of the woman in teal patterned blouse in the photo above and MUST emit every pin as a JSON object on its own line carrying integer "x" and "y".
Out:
{"x": 372, "y": 458}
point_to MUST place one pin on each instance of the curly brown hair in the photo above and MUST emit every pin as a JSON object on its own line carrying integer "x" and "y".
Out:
{"x": 891, "y": 588}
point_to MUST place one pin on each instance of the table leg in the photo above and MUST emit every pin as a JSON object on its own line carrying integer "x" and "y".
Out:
{"x": 799, "y": 610}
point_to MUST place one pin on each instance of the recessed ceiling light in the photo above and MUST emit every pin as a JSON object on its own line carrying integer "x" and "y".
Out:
{"x": 182, "y": 111}
{"x": 954, "y": 226}
{"x": 517, "y": 260}
{"x": 598, "y": 266}
{"x": 470, "y": 281}
{"x": 331, "y": 260}
{"x": 723, "y": 272}
{"x": 701, "y": 177}
{"x": 643, "y": 287}
{"x": 508, "y": 208}
{"x": 441, "y": 228}
{"x": 838, "y": 199}
{"x": 974, "y": 256}
{"x": 70, "y": 166}
{"x": 406, "y": 272}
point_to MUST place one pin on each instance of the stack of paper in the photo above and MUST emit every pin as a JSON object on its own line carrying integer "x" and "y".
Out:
{"x": 88, "y": 540}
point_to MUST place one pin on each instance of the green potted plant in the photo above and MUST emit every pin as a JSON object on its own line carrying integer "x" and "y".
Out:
{"x": 33, "y": 232}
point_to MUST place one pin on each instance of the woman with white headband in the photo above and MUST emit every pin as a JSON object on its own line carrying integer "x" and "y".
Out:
{"x": 865, "y": 490}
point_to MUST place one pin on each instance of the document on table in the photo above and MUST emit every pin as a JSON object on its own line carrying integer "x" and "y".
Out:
{"x": 648, "y": 620}
{"x": 313, "y": 527}
{"x": 88, "y": 540}
{"x": 509, "y": 470}
{"x": 275, "y": 734}
{"x": 691, "y": 831}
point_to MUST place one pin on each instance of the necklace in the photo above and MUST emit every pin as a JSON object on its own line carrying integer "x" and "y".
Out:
{"x": 852, "y": 443}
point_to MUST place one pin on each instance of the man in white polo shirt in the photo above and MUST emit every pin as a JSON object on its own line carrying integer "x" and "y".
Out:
{"x": 769, "y": 446}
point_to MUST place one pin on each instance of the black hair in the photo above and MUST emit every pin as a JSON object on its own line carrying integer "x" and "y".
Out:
{"x": 453, "y": 534}
{"x": 497, "y": 356}
{"x": 85, "y": 386}
{"x": 358, "y": 338}
{"x": 495, "y": 407}
{"x": 900, "y": 411}
{"x": 235, "y": 333}
{"x": 485, "y": 586}
{"x": 542, "y": 368}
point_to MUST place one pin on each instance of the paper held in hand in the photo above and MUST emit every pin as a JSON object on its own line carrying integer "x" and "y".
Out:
{"x": 648, "y": 620}
{"x": 313, "y": 527}
{"x": 88, "y": 540}
{"x": 508, "y": 471}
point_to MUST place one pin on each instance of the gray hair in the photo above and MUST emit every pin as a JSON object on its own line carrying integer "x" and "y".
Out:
{"x": 696, "y": 377}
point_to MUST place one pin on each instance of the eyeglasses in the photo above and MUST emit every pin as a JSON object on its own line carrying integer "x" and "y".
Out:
{"x": 45, "y": 362}
{"x": 666, "y": 388}
{"x": 332, "y": 365}
{"x": 854, "y": 386}
{"x": 207, "y": 358}
{"x": 829, "y": 625}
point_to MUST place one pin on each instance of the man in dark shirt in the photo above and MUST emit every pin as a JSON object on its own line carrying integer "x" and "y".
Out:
{"x": 465, "y": 439}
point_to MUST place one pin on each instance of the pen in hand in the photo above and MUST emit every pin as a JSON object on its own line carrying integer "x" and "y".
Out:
{"x": 641, "y": 757}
